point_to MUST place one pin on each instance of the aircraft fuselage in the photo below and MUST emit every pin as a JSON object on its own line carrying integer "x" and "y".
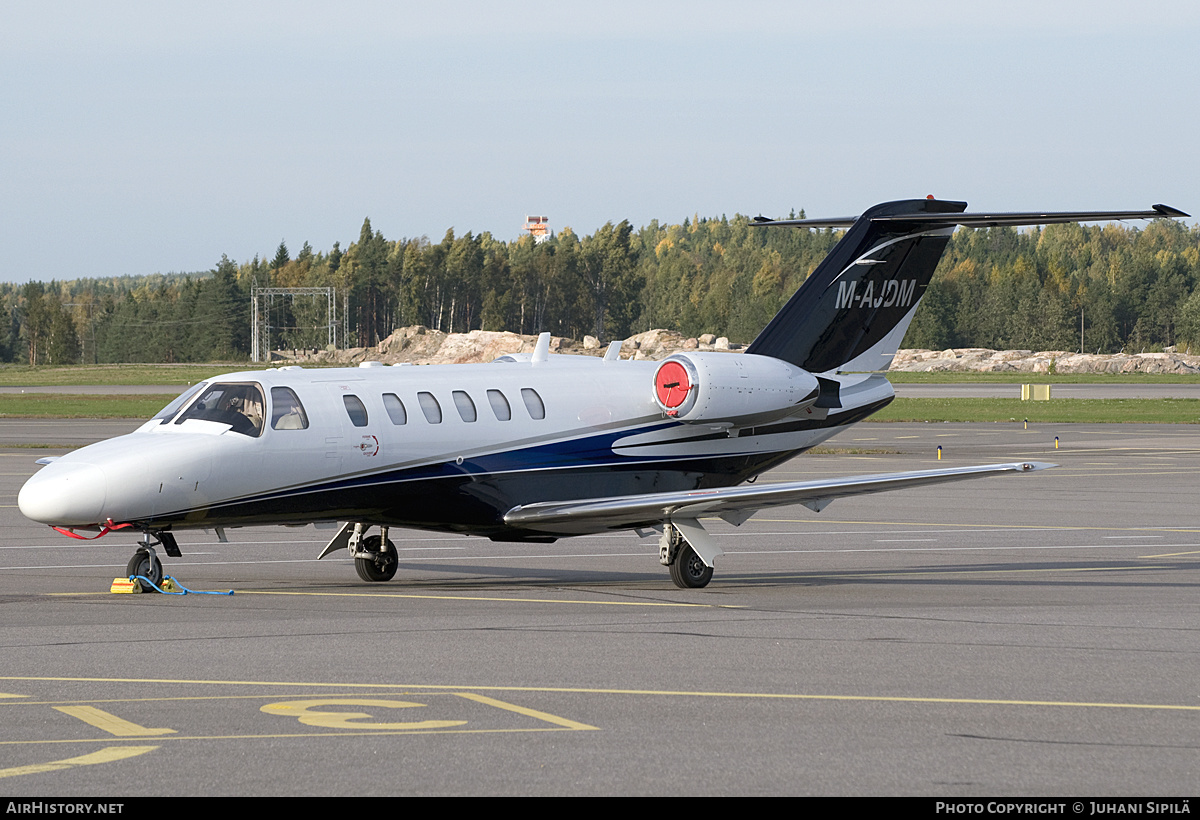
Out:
{"x": 535, "y": 446}
{"x": 475, "y": 441}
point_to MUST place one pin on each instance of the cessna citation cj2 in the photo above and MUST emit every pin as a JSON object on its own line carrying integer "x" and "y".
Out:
{"x": 534, "y": 447}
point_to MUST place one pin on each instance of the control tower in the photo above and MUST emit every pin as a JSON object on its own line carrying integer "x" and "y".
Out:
{"x": 538, "y": 227}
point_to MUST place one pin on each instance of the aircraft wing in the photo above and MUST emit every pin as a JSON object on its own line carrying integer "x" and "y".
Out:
{"x": 735, "y": 504}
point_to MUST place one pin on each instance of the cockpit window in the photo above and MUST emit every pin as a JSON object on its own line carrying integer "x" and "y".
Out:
{"x": 168, "y": 412}
{"x": 238, "y": 405}
{"x": 287, "y": 413}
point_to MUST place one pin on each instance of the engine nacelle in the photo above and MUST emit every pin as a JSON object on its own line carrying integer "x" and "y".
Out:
{"x": 709, "y": 388}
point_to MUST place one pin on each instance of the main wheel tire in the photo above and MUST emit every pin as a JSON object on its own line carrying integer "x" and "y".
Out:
{"x": 147, "y": 565}
{"x": 688, "y": 571}
{"x": 382, "y": 564}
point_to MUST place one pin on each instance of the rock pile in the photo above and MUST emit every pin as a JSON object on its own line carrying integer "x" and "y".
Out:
{"x": 420, "y": 345}
{"x": 983, "y": 360}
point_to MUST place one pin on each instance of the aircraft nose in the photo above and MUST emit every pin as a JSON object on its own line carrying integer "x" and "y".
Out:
{"x": 64, "y": 495}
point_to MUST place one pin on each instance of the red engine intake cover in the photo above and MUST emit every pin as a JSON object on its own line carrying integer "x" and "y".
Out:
{"x": 671, "y": 384}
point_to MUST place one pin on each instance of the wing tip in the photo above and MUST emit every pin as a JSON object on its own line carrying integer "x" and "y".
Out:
{"x": 1167, "y": 210}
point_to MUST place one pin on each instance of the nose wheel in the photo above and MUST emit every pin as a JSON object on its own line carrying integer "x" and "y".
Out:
{"x": 145, "y": 561}
{"x": 146, "y": 564}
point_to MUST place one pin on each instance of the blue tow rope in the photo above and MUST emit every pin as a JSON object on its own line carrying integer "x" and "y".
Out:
{"x": 183, "y": 590}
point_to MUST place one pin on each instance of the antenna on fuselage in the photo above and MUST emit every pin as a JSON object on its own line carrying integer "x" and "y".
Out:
{"x": 541, "y": 351}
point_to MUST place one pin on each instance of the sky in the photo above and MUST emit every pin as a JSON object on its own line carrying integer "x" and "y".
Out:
{"x": 145, "y": 137}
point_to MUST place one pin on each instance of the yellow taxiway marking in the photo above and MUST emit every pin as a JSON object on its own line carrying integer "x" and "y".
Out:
{"x": 759, "y": 520}
{"x": 521, "y": 710}
{"x": 323, "y": 733}
{"x": 306, "y": 712}
{"x": 1171, "y": 554}
{"x": 112, "y": 724}
{"x": 1060, "y": 475}
{"x": 460, "y": 689}
{"x": 108, "y": 755}
{"x": 929, "y": 573}
{"x": 7, "y": 695}
{"x": 490, "y": 599}
{"x": 324, "y": 712}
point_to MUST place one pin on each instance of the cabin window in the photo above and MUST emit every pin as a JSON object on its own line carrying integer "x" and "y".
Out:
{"x": 168, "y": 412}
{"x": 287, "y": 413}
{"x": 430, "y": 407}
{"x": 466, "y": 407}
{"x": 395, "y": 408}
{"x": 238, "y": 405}
{"x": 355, "y": 409}
{"x": 533, "y": 403}
{"x": 499, "y": 405}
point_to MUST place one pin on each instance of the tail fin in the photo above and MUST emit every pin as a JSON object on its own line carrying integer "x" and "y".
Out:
{"x": 853, "y": 311}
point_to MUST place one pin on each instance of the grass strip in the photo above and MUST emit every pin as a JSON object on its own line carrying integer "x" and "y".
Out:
{"x": 81, "y": 406}
{"x": 903, "y": 377}
{"x": 110, "y": 374}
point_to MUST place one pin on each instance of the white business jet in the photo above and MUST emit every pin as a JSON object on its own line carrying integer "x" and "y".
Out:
{"x": 533, "y": 446}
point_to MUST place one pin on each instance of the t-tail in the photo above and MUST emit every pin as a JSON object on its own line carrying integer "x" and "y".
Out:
{"x": 852, "y": 312}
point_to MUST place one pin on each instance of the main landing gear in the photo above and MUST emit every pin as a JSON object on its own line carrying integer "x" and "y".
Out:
{"x": 375, "y": 557}
{"x": 688, "y": 571}
{"x": 145, "y": 561}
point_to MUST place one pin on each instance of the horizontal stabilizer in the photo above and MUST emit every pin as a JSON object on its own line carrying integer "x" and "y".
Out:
{"x": 852, "y": 312}
{"x": 623, "y": 512}
{"x": 987, "y": 220}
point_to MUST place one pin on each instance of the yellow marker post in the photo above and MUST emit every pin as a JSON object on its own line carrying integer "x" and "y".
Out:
{"x": 1056, "y": 442}
{"x": 939, "y": 452}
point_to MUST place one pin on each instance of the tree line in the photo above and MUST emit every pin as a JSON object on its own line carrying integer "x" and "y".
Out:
{"x": 1063, "y": 287}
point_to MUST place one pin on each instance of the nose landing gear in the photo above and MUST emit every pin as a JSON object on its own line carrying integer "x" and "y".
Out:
{"x": 145, "y": 563}
{"x": 145, "y": 560}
